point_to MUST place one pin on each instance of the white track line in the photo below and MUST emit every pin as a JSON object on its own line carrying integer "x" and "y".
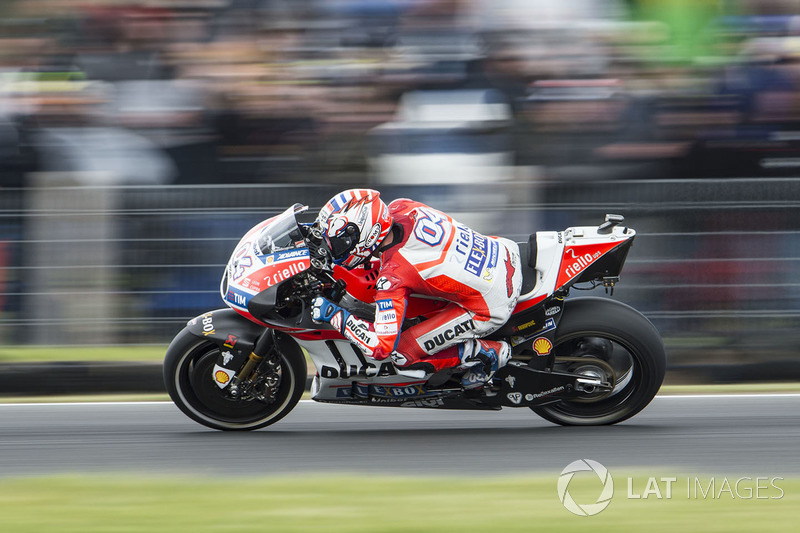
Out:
{"x": 69, "y": 404}
{"x": 743, "y": 395}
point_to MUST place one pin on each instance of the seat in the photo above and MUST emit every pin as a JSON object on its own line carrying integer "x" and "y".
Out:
{"x": 527, "y": 254}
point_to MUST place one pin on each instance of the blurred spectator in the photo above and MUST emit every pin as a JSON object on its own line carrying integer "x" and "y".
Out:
{"x": 533, "y": 95}
{"x": 257, "y": 90}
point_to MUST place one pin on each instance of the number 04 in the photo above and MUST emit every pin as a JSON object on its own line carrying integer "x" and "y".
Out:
{"x": 428, "y": 230}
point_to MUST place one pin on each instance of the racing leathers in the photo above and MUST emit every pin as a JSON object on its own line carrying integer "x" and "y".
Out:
{"x": 433, "y": 255}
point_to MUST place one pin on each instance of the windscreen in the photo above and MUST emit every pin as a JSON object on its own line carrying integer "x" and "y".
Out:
{"x": 282, "y": 233}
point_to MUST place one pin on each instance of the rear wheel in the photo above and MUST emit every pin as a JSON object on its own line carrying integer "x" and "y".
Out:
{"x": 188, "y": 376}
{"x": 608, "y": 340}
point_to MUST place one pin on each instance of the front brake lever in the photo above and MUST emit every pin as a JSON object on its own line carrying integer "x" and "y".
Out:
{"x": 302, "y": 315}
{"x": 306, "y": 301}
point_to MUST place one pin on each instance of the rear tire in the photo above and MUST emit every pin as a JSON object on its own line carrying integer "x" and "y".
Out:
{"x": 589, "y": 320}
{"x": 188, "y": 378}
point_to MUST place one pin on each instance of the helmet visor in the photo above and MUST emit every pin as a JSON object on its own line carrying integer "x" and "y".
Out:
{"x": 341, "y": 245}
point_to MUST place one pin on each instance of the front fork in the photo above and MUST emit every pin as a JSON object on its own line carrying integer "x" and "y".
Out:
{"x": 265, "y": 347}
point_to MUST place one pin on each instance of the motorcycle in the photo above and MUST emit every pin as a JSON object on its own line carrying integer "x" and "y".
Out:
{"x": 576, "y": 361}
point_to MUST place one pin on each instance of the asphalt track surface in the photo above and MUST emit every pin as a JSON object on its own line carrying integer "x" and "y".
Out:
{"x": 755, "y": 435}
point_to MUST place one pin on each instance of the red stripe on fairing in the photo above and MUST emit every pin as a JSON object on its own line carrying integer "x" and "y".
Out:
{"x": 527, "y": 304}
{"x": 319, "y": 335}
{"x": 408, "y": 384}
{"x": 302, "y": 334}
{"x": 249, "y": 317}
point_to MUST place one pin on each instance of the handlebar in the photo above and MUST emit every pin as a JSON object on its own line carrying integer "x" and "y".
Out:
{"x": 321, "y": 260}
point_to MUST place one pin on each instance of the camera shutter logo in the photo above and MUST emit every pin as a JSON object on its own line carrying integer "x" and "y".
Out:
{"x": 585, "y": 465}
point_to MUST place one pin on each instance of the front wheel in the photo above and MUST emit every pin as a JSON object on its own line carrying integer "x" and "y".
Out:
{"x": 188, "y": 368}
{"x": 605, "y": 339}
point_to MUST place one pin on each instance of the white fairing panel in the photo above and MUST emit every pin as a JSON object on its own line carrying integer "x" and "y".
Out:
{"x": 550, "y": 248}
{"x": 337, "y": 371}
{"x": 592, "y": 235}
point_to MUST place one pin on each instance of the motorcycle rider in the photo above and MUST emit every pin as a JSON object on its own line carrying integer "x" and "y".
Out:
{"x": 424, "y": 252}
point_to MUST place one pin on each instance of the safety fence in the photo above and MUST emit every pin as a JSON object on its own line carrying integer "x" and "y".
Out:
{"x": 714, "y": 265}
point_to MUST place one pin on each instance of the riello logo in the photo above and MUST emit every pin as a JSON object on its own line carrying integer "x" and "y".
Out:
{"x": 579, "y": 262}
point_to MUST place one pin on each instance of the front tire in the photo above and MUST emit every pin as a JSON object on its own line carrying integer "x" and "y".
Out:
{"x": 188, "y": 378}
{"x": 611, "y": 331}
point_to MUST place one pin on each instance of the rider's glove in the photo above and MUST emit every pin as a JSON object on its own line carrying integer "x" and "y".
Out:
{"x": 323, "y": 310}
{"x": 354, "y": 329}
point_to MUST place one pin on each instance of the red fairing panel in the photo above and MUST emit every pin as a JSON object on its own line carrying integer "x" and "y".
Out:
{"x": 274, "y": 273}
{"x": 577, "y": 258}
{"x": 527, "y": 304}
{"x": 360, "y": 281}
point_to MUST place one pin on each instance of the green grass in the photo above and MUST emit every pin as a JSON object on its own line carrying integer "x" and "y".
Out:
{"x": 722, "y": 388}
{"x": 87, "y": 398}
{"x": 368, "y": 503}
{"x": 48, "y": 354}
{"x": 41, "y": 354}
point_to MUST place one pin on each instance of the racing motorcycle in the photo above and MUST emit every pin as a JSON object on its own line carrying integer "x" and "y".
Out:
{"x": 575, "y": 361}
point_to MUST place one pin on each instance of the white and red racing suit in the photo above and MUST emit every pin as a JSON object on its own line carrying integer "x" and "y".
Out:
{"x": 441, "y": 258}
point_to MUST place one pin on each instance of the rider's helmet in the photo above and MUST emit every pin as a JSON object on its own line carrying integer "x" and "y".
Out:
{"x": 353, "y": 224}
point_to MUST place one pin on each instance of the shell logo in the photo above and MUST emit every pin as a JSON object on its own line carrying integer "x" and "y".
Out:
{"x": 542, "y": 346}
{"x": 221, "y": 377}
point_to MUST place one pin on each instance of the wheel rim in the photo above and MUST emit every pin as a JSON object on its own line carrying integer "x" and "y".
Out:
{"x": 199, "y": 393}
{"x": 627, "y": 364}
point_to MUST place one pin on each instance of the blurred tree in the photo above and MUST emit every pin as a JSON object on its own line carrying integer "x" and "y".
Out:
{"x": 687, "y": 20}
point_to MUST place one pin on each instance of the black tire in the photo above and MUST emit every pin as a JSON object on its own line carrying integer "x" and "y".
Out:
{"x": 187, "y": 376}
{"x": 628, "y": 331}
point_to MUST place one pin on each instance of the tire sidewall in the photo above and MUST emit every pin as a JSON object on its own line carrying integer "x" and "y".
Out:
{"x": 602, "y": 317}
{"x": 186, "y": 344}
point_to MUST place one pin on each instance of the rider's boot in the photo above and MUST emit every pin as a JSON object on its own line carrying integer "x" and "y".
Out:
{"x": 482, "y": 359}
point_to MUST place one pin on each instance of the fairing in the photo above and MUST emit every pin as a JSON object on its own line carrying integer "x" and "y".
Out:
{"x": 270, "y": 253}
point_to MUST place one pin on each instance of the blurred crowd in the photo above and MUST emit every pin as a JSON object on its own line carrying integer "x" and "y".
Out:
{"x": 492, "y": 110}
{"x": 208, "y": 91}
